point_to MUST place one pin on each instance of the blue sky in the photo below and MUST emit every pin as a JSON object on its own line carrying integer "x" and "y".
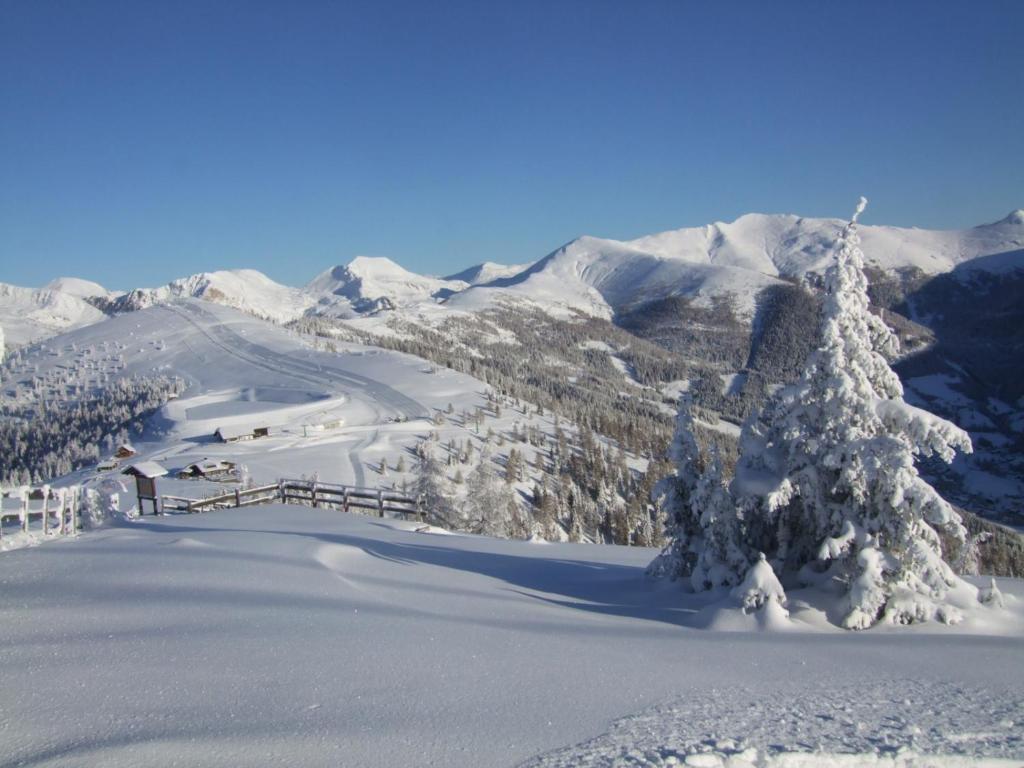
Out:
{"x": 143, "y": 141}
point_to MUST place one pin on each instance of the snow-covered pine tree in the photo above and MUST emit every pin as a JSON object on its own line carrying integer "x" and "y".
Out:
{"x": 826, "y": 477}
{"x": 434, "y": 496}
{"x": 682, "y": 522}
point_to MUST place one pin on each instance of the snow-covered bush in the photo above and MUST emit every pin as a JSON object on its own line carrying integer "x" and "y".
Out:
{"x": 991, "y": 595}
{"x": 761, "y": 587}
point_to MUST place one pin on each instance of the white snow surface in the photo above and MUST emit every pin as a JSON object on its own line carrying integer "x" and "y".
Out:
{"x": 297, "y": 636}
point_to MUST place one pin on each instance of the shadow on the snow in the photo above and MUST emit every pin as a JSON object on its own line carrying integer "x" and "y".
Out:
{"x": 580, "y": 584}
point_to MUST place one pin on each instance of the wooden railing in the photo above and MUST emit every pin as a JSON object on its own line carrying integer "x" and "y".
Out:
{"x": 307, "y": 492}
{"x": 65, "y": 511}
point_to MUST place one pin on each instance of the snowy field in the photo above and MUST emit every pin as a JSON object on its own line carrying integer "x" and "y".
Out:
{"x": 376, "y": 404}
{"x": 296, "y": 636}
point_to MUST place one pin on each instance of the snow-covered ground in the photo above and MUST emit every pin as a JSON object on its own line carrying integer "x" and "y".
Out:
{"x": 297, "y": 636}
{"x": 335, "y": 414}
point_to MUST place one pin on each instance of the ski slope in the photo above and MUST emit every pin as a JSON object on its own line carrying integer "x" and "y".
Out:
{"x": 307, "y": 637}
{"x": 383, "y": 400}
{"x": 336, "y": 413}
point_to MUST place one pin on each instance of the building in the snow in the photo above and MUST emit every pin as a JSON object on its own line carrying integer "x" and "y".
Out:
{"x": 208, "y": 469}
{"x": 238, "y": 432}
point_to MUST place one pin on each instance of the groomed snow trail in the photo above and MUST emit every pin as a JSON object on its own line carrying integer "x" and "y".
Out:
{"x": 384, "y": 399}
{"x": 296, "y": 636}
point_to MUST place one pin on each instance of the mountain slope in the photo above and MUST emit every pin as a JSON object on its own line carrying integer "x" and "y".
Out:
{"x": 372, "y": 282}
{"x": 601, "y": 276}
{"x": 309, "y": 637}
{"x": 76, "y": 286}
{"x": 28, "y": 314}
{"x": 487, "y": 272}
{"x": 246, "y": 289}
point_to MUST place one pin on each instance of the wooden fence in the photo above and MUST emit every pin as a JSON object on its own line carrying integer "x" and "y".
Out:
{"x": 308, "y": 492}
{"x": 56, "y": 511}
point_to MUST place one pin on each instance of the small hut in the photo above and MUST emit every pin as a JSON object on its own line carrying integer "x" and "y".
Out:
{"x": 145, "y": 475}
{"x": 239, "y": 432}
{"x": 124, "y": 451}
{"x": 208, "y": 469}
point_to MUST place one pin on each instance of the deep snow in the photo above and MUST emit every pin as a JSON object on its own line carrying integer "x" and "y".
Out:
{"x": 297, "y": 636}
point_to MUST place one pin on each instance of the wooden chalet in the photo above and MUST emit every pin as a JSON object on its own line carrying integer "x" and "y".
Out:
{"x": 208, "y": 469}
{"x": 240, "y": 432}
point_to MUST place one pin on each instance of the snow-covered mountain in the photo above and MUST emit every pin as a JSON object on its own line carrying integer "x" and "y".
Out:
{"x": 374, "y": 282}
{"x": 600, "y": 276}
{"x": 246, "y": 289}
{"x": 29, "y": 314}
{"x": 487, "y": 272}
{"x": 76, "y": 286}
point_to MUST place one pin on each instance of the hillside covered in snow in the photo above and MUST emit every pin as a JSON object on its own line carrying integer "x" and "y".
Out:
{"x": 302, "y": 636}
{"x": 622, "y": 327}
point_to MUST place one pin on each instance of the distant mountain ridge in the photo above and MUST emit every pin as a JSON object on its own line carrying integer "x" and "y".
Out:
{"x": 597, "y": 276}
{"x": 601, "y": 276}
{"x": 721, "y": 301}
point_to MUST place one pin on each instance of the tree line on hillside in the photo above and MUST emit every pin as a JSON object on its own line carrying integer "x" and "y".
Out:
{"x": 46, "y": 439}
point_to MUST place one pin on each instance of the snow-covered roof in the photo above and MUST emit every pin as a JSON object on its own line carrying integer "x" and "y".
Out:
{"x": 146, "y": 469}
{"x": 238, "y": 430}
{"x": 211, "y": 466}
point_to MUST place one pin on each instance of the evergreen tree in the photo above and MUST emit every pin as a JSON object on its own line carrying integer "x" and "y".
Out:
{"x": 840, "y": 447}
{"x": 826, "y": 481}
{"x": 434, "y": 497}
{"x": 675, "y": 493}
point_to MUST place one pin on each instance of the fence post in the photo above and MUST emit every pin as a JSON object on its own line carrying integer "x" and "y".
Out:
{"x": 24, "y": 512}
{"x": 46, "y": 513}
{"x": 74, "y": 514}
{"x": 65, "y": 503}
{"x": 280, "y": 489}
{"x": 188, "y": 506}
{"x": 238, "y": 497}
{"x": 344, "y": 500}
{"x": 312, "y": 491}
{"x": 380, "y": 503}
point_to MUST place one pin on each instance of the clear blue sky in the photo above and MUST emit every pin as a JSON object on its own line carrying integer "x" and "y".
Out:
{"x": 142, "y": 141}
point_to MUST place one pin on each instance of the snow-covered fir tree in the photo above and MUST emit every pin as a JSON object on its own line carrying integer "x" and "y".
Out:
{"x": 826, "y": 482}
{"x": 434, "y": 495}
{"x": 682, "y": 522}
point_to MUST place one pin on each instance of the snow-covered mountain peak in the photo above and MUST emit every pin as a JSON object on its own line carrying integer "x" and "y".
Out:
{"x": 246, "y": 289}
{"x": 76, "y": 286}
{"x": 1014, "y": 218}
{"x": 379, "y": 266}
{"x": 371, "y": 282}
{"x": 738, "y": 258}
{"x": 487, "y": 272}
{"x": 29, "y": 314}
